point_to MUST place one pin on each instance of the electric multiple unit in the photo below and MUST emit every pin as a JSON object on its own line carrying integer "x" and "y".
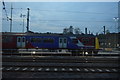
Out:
{"x": 73, "y": 43}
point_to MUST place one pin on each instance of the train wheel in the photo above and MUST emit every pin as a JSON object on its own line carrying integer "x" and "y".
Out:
{"x": 89, "y": 52}
{"x": 95, "y": 52}
{"x": 77, "y": 53}
{"x": 74, "y": 53}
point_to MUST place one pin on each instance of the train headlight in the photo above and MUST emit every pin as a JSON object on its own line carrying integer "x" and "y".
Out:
{"x": 86, "y": 53}
{"x": 33, "y": 52}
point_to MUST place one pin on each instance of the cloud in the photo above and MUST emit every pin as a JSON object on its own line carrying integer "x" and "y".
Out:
{"x": 61, "y": 0}
{"x": 54, "y": 17}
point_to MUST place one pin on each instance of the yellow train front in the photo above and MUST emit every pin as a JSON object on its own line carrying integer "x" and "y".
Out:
{"x": 90, "y": 42}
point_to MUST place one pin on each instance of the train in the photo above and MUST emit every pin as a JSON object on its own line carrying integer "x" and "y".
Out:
{"x": 74, "y": 43}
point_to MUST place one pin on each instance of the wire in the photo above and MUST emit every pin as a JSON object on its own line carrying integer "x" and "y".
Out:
{"x": 18, "y": 8}
{"x": 5, "y": 10}
{"x": 77, "y": 12}
{"x": 13, "y": 18}
{"x": 100, "y": 30}
{"x": 76, "y": 20}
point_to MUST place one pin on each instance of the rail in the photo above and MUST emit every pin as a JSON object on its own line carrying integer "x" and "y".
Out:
{"x": 46, "y": 52}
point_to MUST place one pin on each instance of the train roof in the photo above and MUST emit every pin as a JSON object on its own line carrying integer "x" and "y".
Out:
{"x": 45, "y": 34}
{"x": 31, "y": 34}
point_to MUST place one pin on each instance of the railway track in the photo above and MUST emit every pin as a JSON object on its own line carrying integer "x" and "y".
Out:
{"x": 37, "y": 53}
{"x": 59, "y": 67}
{"x": 60, "y": 59}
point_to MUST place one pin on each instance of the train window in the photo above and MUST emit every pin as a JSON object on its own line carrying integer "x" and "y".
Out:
{"x": 74, "y": 41}
{"x": 36, "y": 40}
{"x": 23, "y": 39}
{"x": 48, "y": 40}
{"x": 65, "y": 41}
{"x": 60, "y": 40}
{"x": 18, "y": 39}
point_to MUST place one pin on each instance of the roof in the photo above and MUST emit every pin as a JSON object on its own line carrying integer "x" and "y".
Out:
{"x": 46, "y": 34}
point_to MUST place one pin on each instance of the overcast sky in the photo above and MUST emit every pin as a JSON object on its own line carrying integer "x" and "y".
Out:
{"x": 55, "y": 16}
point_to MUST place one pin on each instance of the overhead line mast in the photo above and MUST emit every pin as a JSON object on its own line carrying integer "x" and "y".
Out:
{"x": 11, "y": 19}
{"x": 28, "y": 20}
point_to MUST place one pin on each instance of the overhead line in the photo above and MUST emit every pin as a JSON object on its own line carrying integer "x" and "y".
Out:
{"x": 76, "y": 20}
{"x": 17, "y": 8}
{"x": 63, "y": 20}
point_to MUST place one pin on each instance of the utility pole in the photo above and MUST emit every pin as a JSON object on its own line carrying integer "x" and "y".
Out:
{"x": 104, "y": 30}
{"x": 23, "y": 16}
{"x": 116, "y": 35}
{"x": 104, "y": 39}
{"x": 116, "y": 19}
{"x": 28, "y": 20}
{"x": 85, "y": 30}
{"x": 89, "y": 31}
{"x": 11, "y": 19}
{"x": 23, "y": 25}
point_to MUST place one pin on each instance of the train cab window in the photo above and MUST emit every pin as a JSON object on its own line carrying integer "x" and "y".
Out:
{"x": 92, "y": 41}
{"x": 36, "y": 40}
{"x": 74, "y": 41}
{"x": 85, "y": 40}
{"x": 48, "y": 40}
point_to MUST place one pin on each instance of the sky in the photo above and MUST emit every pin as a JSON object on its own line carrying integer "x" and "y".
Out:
{"x": 55, "y": 16}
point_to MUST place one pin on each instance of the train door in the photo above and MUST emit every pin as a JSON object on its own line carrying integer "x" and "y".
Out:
{"x": 62, "y": 42}
{"x": 20, "y": 42}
